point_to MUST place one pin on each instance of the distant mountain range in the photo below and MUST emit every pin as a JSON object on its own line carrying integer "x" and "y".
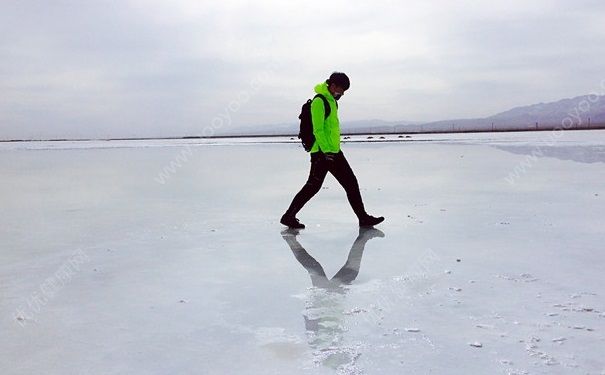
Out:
{"x": 586, "y": 111}
{"x": 581, "y": 112}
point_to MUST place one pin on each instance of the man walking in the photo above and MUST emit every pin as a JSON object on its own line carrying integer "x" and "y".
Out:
{"x": 326, "y": 155}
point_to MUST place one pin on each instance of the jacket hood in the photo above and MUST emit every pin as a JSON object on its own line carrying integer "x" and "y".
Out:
{"x": 322, "y": 88}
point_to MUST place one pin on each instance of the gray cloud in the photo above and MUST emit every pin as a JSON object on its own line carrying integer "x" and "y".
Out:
{"x": 145, "y": 68}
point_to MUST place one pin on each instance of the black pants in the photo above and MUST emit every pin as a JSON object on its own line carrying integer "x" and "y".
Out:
{"x": 343, "y": 173}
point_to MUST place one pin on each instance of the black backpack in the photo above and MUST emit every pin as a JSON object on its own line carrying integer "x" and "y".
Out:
{"x": 306, "y": 124}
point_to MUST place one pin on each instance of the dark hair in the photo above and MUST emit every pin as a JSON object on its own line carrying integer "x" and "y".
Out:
{"x": 339, "y": 79}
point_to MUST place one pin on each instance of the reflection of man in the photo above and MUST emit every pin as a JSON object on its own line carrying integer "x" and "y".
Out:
{"x": 323, "y": 310}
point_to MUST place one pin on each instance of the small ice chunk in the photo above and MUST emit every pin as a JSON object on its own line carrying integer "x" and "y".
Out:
{"x": 476, "y": 344}
{"x": 355, "y": 310}
{"x": 527, "y": 277}
{"x": 559, "y": 339}
{"x": 412, "y": 329}
{"x": 550, "y": 361}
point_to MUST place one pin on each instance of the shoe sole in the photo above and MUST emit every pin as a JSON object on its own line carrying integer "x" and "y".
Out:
{"x": 370, "y": 225}
{"x": 302, "y": 226}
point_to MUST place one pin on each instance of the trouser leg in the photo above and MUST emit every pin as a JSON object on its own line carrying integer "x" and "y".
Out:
{"x": 344, "y": 175}
{"x": 317, "y": 175}
{"x": 316, "y": 271}
{"x": 349, "y": 271}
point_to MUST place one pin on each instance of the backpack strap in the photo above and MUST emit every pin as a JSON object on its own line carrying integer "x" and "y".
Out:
{"x": 327, "y": 108}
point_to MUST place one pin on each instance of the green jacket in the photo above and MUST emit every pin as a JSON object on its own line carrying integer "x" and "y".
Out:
{"x": 326, "y": 131}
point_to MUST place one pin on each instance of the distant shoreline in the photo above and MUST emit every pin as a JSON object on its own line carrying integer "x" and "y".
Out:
{"x": 591, "y": 127}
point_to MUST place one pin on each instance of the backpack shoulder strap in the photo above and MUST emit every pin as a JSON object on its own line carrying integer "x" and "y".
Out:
{"x": 327, "y": 108}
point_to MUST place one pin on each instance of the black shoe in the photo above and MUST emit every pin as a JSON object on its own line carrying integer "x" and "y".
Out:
{"x": 291, "y": 222}
{"x": 370, "y": 221}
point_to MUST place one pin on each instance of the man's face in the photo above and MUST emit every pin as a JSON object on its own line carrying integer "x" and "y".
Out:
{"x": 336, "y": 91}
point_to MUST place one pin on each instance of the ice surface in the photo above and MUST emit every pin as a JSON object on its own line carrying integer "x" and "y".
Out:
{"x": 490, "y": 261}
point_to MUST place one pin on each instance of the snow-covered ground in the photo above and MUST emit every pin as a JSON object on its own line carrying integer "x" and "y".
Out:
{"x": 122, "y": 259}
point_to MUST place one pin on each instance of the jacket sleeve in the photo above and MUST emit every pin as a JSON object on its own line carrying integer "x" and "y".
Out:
{"x": 318, "y": 118}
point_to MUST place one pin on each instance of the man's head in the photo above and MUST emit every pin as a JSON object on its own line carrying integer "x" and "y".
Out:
{"x": 338, "y": 83}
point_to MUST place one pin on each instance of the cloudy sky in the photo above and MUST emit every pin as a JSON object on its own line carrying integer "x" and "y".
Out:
{"x": 171, "y": 68}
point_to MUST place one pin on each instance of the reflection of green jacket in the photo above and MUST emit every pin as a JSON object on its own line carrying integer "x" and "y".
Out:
{"x": 326, "y": 131}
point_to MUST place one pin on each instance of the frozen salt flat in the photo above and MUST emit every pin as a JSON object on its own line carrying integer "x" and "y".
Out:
{"x": 490, "y": 261}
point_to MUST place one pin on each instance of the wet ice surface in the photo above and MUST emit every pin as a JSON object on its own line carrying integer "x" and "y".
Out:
{"x": 104, "y": 270}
